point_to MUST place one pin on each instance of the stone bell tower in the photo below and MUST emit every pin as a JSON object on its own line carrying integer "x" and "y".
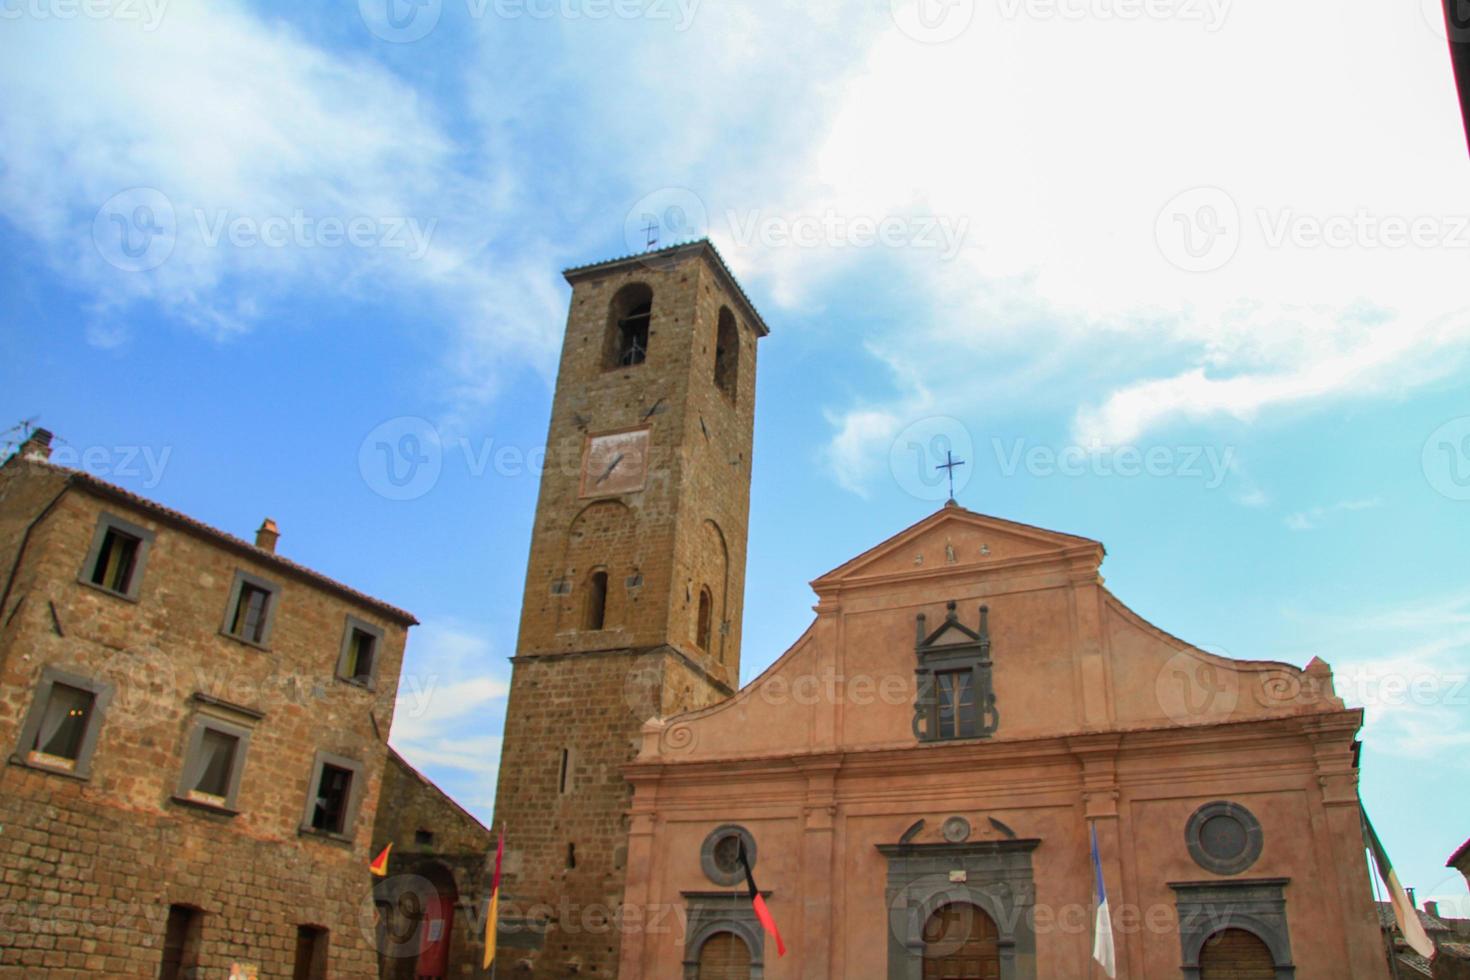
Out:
{"x": 635, "y": 584}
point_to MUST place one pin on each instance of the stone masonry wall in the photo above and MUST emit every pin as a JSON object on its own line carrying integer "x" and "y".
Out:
{"x": 88, "y": 867}
{"x": 588, "y": 691}
{"x": 460, "y": 857}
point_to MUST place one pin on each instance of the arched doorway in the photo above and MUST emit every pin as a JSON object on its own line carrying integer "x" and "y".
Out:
{"x": 961, "y": 942}
{"x": 724, "y": 956}
{"x": 1235, "y": 954}
{"x": 419, "y": 923}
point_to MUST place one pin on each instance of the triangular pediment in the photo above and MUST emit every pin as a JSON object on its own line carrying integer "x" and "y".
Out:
{"x": 954, "y": 537}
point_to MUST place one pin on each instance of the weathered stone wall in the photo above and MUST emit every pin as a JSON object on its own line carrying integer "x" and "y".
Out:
{"x": 89, "y": 867}
{"x": 459, "y": 860}
{"x": 588, "y": 692}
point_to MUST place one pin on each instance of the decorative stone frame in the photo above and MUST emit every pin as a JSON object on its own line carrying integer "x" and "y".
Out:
{"x": 108, "y": 522}
{"x": 712, "y": 871}
{"x": 711, "y": 913}
{"x": 345, "y": 653}
{"x": 1254, "y": 837}
{"x": 101, "y": 692}
{"x": 1256, "y": 905}
{"x": 997, "y": 878}
{"x": 243, "y": 578}
{"x": 354, "y": 796}
{"x": 207, "y": 720}
{"x": 940, "y": 652}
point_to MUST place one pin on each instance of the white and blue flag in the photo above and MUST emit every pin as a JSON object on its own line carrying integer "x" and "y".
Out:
{"x": 1102, "y": 923}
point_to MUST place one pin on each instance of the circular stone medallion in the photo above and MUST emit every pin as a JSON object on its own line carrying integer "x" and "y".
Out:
{"x": 956, "y": 830}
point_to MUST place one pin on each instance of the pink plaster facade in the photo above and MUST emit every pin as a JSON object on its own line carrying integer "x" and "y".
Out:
{"x": 1104, "y": 720}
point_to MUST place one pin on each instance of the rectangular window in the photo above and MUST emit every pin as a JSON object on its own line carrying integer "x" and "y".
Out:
{"x": 114, "y": 568}
{"x": 566, "y": 765}
{"x": 956, "y": 693}
{"x": 114, "y": 562}
{"x": 214, "y": 755}
{"x": 331, "y": 800}
{"x": 251, "y": 610}
{"x": 311, "y": 953}
{"x": 216, "y": 762}
{"x": 332, "y": 803}
{"x": 358, "y": 658}
{"x": 363, "y": 645}
{"x": 63, "y": 725}
{"x": 61, "y": 729}
{"x": 181, "y": 943}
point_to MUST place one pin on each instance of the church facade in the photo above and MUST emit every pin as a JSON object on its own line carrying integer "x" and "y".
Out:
{"x": 918, "y": 778}
{"x": 917, "y": 782}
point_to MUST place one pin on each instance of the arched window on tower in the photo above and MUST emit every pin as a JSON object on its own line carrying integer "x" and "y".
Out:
{"x": 628, "y": 327}
{"x": 596, "y": 610}
{"x": 706, "y": 614}
{"x": 727, "y": 354}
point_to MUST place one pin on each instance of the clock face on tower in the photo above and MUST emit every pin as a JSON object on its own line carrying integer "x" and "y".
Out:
{"x": 614, "y": 463}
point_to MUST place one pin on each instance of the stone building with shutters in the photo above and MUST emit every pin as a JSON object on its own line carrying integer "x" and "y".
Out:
{"x": 917, "y": 779}
{"x": 195, "y": 735}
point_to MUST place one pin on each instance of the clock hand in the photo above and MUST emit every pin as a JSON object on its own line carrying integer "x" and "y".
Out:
{"x": 610, "y": 467}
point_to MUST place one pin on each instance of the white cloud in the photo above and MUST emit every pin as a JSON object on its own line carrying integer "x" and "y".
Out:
{"x": 1074, "y": 136}
{"x": 266, "y": 149}
{"x": 1313, "y": 517}
{"x": 1405, "y": 665}
{"x": 450, "y": 710}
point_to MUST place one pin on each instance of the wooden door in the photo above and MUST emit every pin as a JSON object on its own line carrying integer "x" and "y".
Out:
{"x": 1234, "y": 954}
{"x": 961, "y": 943}
{"x": 433, "y": 959}
{"x": 724, "y": 956}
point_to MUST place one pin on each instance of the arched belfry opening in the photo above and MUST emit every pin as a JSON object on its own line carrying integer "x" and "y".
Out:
{"x": 628, "y": 323}
{"x": 727, "y": 354}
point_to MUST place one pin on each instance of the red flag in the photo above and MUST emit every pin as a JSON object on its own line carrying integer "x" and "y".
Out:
{"x": 379, "y": 865}
{"x": 768, "y": 922}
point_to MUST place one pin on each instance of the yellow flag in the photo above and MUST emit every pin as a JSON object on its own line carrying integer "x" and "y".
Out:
{"x": 492, "y": 915}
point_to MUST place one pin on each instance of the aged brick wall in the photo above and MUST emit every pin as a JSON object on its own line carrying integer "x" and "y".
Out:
{"x": 89, "y": 867}
{"x": 587, "y": 692}
{"x": 457, "y": 862}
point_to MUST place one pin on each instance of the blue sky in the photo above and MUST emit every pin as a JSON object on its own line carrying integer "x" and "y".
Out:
{"x": 1186, "y": 277}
